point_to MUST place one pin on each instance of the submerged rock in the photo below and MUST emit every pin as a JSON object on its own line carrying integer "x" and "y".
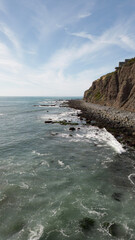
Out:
{"x": 72, "y": 129}
{"x": 62, "y": 122}
{"x": 115, "y": 229}
{"x": 48, "y": 121}
{"x": 117, "y": 196}
{"x": 86, "y": 224}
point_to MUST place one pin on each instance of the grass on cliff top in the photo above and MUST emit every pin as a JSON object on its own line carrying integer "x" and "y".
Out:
{"x": 130, "y": 62}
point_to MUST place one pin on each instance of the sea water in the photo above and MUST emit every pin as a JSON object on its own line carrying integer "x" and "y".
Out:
{"x": 52, "y": 179}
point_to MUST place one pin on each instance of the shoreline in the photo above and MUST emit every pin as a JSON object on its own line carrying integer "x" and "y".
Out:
{"x": 118, "y": 122}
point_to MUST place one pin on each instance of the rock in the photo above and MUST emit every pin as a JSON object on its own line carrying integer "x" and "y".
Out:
{"x": 48, "y": 121}
{"x": 116, "y": 230}
{"x": 54, "y": 134}
{"x": 86, "y": 224}
{"x": 115, "y": 89}
{"x": 93, "y": 122}
{"x": 72, "y": 129}
{"x": 117, "y": 196}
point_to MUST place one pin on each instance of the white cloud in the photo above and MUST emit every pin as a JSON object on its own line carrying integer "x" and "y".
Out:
{"x": 83, "y": 35}
{"x": 7, "y": 61}
{"x": 85, "y": 15}
{"x": 11, "y": 36}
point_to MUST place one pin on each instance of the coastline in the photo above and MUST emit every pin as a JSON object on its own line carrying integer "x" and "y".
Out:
{"x": 118, "y": 122}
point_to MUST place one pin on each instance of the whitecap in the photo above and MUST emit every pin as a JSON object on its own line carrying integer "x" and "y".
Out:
{"x": 92, "y": 211}
{"x": 62, "y": 232}
{"x": 68, "y": 116}
{"x": 130, "y": 178}
{"x": 36, "y": 233}
{"x": 61, "y": 163}
{"x": 101, "y": 136}
{"x": 67, "y": 167}
{"x": 24, "y": 186}
{"x": 111, "y": 141}
{"x": 45, "y": 163}
{"x": 40, "y": 154}
{"x": 1, "y": 114}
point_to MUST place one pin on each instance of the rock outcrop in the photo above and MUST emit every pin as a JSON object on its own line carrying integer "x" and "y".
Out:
{"x": 115, "y": 89}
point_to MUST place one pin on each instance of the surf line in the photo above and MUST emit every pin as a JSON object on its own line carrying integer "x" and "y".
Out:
{"x": 129, "y": 177}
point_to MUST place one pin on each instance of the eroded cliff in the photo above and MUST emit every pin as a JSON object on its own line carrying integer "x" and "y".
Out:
{"x": 115, "y": 89}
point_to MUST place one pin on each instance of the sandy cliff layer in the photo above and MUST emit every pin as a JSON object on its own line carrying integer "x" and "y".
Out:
{"x": 115, "y": 89}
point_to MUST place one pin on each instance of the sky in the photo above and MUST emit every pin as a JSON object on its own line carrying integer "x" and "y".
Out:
{"x": 59, "y": 47}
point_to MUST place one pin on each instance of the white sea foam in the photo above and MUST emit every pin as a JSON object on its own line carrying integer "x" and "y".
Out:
{"x": 130, "y": 178}
{"x": 67, "y": 167}
{"x": 111, "y": 141}
{"x": 61, "y": 163}
{"x": 36, "y": 233}
{"x": 92, "y": 134}
{"x": 62, "y": 232}
{"x": 68, "y": 116}
{"x": 40, "y": 154}
{"x": 1, "y": 114}
{"x": 93, "y": 211}
{"x": 45, "y": 163}
{"x": 24, "y": 186}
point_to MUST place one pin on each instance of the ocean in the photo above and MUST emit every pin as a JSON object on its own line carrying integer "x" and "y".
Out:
{"x": 58, "y": 184}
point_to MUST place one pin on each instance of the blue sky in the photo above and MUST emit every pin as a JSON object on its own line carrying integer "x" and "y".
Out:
{"x": 58, "y": 47}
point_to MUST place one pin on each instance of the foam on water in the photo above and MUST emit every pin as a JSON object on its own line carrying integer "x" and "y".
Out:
{"x": 36, "y": 233}
{"x": 61, "y": 163}
{"x": 130, "y": 178}
{"x": 40, "y": 154}
{"x": 68, "y": 116}
{"x": 90, "y": 134}
{"x": 111, "y": 141}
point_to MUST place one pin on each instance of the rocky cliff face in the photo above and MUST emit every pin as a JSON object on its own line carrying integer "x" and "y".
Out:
{"x": 115, "y": 89}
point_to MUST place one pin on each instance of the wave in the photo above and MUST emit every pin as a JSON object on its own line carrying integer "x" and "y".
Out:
{"x": 92, "y": 134}
{"x": 40, "y": 154}
{"x": 36, "y": 233}
{"x": 131, "y": 178}
{"x": 68, "y": 116}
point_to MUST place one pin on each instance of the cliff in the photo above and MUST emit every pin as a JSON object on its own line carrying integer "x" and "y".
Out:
{"x": 115, "y": 89}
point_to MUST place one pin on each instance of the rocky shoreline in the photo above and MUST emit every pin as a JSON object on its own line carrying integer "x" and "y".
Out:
{"x": 120, "y": 123}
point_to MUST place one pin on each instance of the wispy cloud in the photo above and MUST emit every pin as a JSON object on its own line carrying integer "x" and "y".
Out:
{"x": 83, "y": 35}
{"x": 10, "y": 35}
{"x": 84, "y": 15}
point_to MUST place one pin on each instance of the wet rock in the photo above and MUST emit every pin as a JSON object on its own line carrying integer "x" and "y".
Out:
{"x": 88, "y": 121}
{"x": 72, "y": 129}
{"x": 117, "y": 196}
{"x": 115, "y": 229}
{"x": 54, "y": 134}
{"x": 93, "y": 122}
{"x": 48, "y": 121}
{"x": 70, "y": 135}
{"x": 86, "y": 224}
{"x": 65, "y": 122}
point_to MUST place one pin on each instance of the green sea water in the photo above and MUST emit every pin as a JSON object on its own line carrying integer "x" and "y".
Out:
{"x": 53, "y": 180}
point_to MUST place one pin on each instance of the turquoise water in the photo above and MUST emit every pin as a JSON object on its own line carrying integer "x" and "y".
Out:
{"x": 51, "y": 178}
